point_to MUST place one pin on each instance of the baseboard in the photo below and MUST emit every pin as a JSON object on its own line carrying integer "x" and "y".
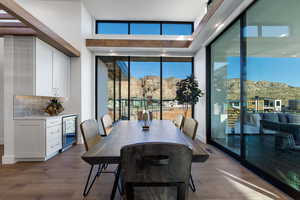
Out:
{"x": 8, "y": 160}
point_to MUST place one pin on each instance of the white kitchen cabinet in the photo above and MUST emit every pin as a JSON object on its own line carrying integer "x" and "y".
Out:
{"x": 38, "y": 140}
{"x": 43, "y": 69}
{"x": 61, "y": 66}
{"x": 40, "y": 69}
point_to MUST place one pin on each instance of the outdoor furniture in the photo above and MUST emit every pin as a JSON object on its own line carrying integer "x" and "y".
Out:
{"x": 190, "y": 127}
{"x": 107, "y": 124}
{"x": 179, "y": 121}
{"x": 273, "y": 123}
{"x": 156, "y": 171}
{"x": 130, "y": 132}
{"x": 285, "y": 141}
{"x": 91, "y": 137}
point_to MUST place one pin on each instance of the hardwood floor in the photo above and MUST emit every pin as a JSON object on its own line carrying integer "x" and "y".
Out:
{"x": 64, "y": 176}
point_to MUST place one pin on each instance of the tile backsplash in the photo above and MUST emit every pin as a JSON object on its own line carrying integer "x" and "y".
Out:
{"x": 31, "y": 105}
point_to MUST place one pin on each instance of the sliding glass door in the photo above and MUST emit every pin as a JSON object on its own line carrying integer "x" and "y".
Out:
{"x": 261, "y": 103}
{"x": 272, "y": 84}
{"x": 225, "y": 89}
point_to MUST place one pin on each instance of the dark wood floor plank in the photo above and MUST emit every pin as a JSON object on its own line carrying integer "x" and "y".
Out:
{"x": 63, "y": 178}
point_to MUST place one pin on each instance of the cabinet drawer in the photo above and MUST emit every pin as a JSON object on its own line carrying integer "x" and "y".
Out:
{"x": 53, "y": 146}
{"x": 53, "y": 122}
{"x": 54, "y": 133}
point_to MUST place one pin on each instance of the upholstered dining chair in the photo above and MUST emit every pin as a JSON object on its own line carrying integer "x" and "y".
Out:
{"x": 189, "y": 128}
{"x": 107, "y": 124}
{"x": 156, "y": 171}
{"x": 179, "y": 121}
{"x": 91, "y": 136}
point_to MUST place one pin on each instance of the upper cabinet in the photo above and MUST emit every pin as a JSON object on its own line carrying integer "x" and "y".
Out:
{"x": 40, "y": 70}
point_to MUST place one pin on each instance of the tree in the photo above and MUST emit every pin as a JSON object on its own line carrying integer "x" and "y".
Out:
{"x": 188, "y": 92}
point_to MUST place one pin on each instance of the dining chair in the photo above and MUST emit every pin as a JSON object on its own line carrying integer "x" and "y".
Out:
{"x": 190, "y": 127}
{"x": 179, "y": 121}
{"x": 140, "y": 115}
{"x": 91, "y": 136}
{"x": 107, "y": 124}
{"x": 156, "y": 171}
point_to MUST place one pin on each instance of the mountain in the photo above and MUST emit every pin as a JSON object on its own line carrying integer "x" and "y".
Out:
{"x": 152, "y": 84}
{"x": 266, "y": 89}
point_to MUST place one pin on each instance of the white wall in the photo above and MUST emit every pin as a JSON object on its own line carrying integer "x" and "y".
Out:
{"x": 102, "y": 88}
{"x": 200, "y": 108}
{"x": 1, "y": 89}
{"x": 87, "y": 68}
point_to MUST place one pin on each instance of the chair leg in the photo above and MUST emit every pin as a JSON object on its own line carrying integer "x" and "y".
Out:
{"x": 116, "y": 183}
{"x": 192, "y": 185}
{"x": 100, "y": 169}
{"x": 88, "y": 185}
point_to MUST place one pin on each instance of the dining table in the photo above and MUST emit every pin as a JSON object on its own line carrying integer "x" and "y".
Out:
{"x": 127, "y": 132}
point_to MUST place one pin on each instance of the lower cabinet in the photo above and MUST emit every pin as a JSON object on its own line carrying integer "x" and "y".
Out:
{"x": 38, "y": 140}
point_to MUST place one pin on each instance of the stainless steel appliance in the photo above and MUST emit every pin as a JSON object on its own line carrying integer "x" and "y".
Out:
{"x": 69, "y": 131}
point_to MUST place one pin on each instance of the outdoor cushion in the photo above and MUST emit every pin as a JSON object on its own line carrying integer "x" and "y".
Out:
{"x": 256, "y": 119}
{"x": 294, "y": 119}
{"x": 282, "y": 118}
{"x": 273, "y": 117}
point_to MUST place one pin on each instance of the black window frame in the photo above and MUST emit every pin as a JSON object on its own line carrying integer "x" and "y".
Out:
{"x": 143, "y": 22}
{"x": 242, "y": 157}
{"x": 129, "y": 69}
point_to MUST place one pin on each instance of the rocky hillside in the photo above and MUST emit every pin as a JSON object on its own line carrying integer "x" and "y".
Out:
{"x": 152, "y": 85}
{"x": 268, "y": 89}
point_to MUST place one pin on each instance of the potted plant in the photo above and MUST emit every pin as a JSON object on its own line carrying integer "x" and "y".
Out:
{"x": 188, "y": 92}
{"x": 54, "y": 107}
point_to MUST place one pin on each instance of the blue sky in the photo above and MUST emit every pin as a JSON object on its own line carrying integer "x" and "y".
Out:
{"x": 170, "y": 69}
{"x": 284, "y": 70}
{"x": 140, "y": 28}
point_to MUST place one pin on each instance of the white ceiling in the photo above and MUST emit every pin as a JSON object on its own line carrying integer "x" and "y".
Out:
{"x": 164, "y": 10}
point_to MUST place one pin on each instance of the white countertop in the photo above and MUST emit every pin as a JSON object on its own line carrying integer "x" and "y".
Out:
{"x": 42, "y": 117}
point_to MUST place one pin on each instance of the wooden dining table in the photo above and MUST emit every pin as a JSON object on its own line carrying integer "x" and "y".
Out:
{"x": 108, "y": 150}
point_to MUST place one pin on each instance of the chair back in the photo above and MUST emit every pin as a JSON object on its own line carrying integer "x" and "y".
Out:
{"x": 190, "y": 127}
{"x": 179, "y": 121}
{"x": 90, "y": 133}
{"x": 163, "y": 165}
{"x": 107, "y": 124}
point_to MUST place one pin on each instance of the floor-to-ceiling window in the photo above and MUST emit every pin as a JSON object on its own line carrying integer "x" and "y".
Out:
{"x": 112, "y": 87}
{"x": 144, "y": 86}
{"x": 137, "y": 84}
{"x": 225, "y": 89}
{"x": 272, "y": 87}
{"x": 265, "y": 94}
{"x": 173, "y": 71}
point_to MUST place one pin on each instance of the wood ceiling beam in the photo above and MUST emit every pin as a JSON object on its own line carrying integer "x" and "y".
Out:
{"x": 6, "y": 16}
{"x": 16, "y": 31}
{"x": 42, "y": 31}
{"x": 12, "y": 24}
{"x": 138, "y": 43}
